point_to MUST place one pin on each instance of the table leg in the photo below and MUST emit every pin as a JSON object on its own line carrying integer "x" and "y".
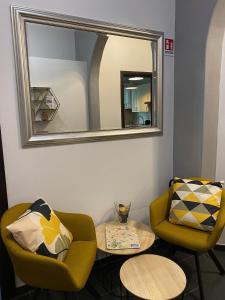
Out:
{"x": 182, "y": 296}
{"x": 124, "y": 292}
{"x": 127, "y": 294}
{"x": 121, "y": 291}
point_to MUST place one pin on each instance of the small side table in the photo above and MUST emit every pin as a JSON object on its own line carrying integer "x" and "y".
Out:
{"x": 151, "y": 276}
{"x": 145, "y": 235}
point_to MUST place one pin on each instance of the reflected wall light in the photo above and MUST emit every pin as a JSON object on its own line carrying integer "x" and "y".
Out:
{"x": 131, "y": 88}
{"x": 136, "y": 78}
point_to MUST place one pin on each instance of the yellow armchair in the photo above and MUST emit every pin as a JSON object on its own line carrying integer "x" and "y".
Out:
{"x": 196, "y": 241}
{"x": 48, "y": 273}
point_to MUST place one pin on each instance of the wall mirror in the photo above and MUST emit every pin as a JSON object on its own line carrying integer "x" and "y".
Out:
{"x": 81, "y": 80}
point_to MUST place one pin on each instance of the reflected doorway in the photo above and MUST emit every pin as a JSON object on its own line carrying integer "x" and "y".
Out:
{"x": 136, "y": 99}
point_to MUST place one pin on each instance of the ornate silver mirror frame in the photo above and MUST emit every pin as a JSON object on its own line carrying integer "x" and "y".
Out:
{"x": 19, "y": 18}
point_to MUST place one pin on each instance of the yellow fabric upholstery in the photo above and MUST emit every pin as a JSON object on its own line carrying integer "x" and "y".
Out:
{"x": 48, "y": 273}
{"x": 186, "y": 237}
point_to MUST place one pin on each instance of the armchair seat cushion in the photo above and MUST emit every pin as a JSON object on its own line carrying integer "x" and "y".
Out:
{"x": 186, "y": 237}
{"x": 80, "y": 259}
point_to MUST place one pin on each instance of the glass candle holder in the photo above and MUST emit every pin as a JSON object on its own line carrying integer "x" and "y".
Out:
{"x": 122, "y": 210}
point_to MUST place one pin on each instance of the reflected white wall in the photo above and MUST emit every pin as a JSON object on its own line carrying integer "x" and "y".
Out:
{"x": 120, "y": 54}
{"x": 53, "y": 62}
{"x": 68, "y": 80}
{"x": 50, "y": 41}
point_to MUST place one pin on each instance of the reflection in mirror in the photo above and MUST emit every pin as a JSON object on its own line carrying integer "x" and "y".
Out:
{"x": 83, "y": 70}
{"x": 136, "y": 91}
{"x": 73, "y": 79}
{"x": 60, "y": 58}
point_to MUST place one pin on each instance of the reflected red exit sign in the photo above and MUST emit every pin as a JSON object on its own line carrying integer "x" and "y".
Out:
{"x": 169, "y": 47}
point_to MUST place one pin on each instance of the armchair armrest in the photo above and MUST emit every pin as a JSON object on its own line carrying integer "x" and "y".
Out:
{"x": 80, "y": 225}
{"x": 159, "y": 209}
{"x": 42, "y": 269}
{"x": 36, "y": 270}
{"x": 220, "y": 223}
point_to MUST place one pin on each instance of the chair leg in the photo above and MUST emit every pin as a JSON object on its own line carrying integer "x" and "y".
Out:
{"x": 216, "y": 262}
{"x": 200, "y": 283}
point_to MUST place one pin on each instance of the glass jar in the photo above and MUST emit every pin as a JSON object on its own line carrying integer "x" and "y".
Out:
{"x": 122, "y": 210}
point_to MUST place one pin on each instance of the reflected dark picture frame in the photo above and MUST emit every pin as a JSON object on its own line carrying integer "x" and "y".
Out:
{"x": 138, "y": 74}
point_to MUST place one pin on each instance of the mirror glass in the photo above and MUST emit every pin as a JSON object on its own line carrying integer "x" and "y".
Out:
{"x": 82, "y": 80}
{"x": 87, "y": 81}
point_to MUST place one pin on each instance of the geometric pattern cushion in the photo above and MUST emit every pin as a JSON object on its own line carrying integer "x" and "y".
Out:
{"x": 40, "y": 231}
{"x": 195, "y": 203}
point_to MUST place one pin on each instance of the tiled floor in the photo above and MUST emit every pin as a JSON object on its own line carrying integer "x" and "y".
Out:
{"x": 214, "y": 284}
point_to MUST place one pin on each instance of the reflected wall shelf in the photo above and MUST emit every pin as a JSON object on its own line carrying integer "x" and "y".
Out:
{"x": 44, "y": 104}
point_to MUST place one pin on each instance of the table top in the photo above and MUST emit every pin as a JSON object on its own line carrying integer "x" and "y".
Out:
{"x": 151, "y": 277}
{"x": 145, "y": 235}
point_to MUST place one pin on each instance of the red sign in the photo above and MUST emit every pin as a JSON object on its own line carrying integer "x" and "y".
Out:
{"x": 169, "y": 46}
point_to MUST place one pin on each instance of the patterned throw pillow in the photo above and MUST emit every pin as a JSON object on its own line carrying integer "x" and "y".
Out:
{"x": 195, "y": 203}
{"x": 40, "y": 231}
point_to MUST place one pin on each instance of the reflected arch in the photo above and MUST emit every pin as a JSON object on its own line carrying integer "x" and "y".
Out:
{"x": 94, "y": 105}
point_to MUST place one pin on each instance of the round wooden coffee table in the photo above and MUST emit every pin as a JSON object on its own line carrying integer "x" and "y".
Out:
{"x": 145, "y": 235}
{"x": 153, "y": 277}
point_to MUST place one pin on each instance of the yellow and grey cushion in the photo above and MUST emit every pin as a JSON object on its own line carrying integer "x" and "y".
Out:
{"x": 195, "y": 203}
{"x": 40, "y": 231}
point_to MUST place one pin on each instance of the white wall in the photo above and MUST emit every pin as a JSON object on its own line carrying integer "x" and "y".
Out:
{"x": 127, "y": 54}
{"x": 191, "y": 37}
{"x": 213, "y": 158}
{"x": 220, "y": 157}
{"x": 89, "y": 177}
